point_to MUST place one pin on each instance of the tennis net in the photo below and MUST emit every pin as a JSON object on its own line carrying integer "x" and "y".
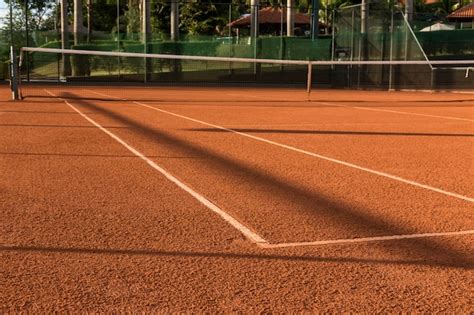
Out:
{"x": 83, "y": 67}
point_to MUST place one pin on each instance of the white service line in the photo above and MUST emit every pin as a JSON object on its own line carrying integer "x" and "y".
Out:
{"x": 252, "y": 236}
{"x": 368, "y": 170}
{"x": 367, "y": 239}
{"x": 261, "y": 97}
{"x": 364, "y": 108}
{"x": 396, "y": 111}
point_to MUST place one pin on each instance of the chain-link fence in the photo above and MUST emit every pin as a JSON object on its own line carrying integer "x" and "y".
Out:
{"x": 225, "y": 30}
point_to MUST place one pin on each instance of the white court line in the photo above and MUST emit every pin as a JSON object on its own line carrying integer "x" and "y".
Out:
{"x": 367, "y": 239}
{"x": 265, "y": 244}
{"x": 252, "y": 236}
{"x": 260, "y": 97}
{"x": 437, "y": 91}
{"x": 396, "y": 112}
{"x": 364, "y": 108}
{"x": 394, "y": 177}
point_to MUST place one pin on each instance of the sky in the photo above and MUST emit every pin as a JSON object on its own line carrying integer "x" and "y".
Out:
{"x": 3, "y": 11}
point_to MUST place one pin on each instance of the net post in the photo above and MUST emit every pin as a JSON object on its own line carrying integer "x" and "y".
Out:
{"x": 392, "y": 24}
{"x": 310, "y": 79}
{"x": 20, "y": 63}
{"x": 433, "y": 78}
{"x": 467, "y": 72}
{"x": 14, "y": 74}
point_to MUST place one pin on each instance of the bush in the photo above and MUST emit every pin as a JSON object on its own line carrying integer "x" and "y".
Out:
{"x": 4, "y": 70}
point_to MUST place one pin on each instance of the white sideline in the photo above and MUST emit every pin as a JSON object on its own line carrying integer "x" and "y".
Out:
{"x": 252, "y": 236}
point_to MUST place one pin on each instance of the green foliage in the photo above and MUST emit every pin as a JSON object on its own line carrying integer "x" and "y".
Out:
{"x": 447, "y": 44}
{"x": 132, "y": 18}
{"x": 104, "y": 15}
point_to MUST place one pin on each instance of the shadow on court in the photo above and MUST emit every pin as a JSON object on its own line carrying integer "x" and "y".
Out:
{"x": 222, "y": 255}
{"x": 59, "y": 126}
{"x": 131, "y": 156}
{"x": 339, "y": 212}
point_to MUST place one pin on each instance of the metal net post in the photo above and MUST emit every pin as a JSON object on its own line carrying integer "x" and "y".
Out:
{"x": 14, "y": 75}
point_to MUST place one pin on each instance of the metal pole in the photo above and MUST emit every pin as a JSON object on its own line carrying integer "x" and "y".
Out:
{"x": 290, "y": 18}
{"x": 254, "y": 18}
{"x": 309, "y": 82}
{"x": 391, "y": 52}
{"x": 281, "y": 35}
{"x": 11, "y": 23}
{"x": 254, "y": 31}
{"x": 66, "y": 65}
{"x": 352, "y": 35}
{"x": 314, "y": 19}
{"x": 230, "y": 36}
{"x": 230, "y": 20}
{"x": 118, "y": 23}
{"x": 118, "y": 35}
{"x": 146, "y": 29}
{"x": 13, "y": 74}
{"x": 27, "y": 40}
{"x": 333, "y": 30}
{"x": 58, "y": 36}
{"x": 174, "y": 32}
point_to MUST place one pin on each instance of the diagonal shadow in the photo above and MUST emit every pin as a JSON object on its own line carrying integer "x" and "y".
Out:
{"x": 37, "y": 112}
{"x": 59, "y": 126}
{"x": 223, "y": 255}
{"x": 333, "y": 132}
{"x": 341, "y": 213}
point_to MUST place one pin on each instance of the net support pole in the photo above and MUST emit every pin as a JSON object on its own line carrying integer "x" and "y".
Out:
{"x": 315, "y": 19}
{"x": 390, "y": 74}
{"x": 310, "y": 79}
{"x": 13, "y": 74}
{"x": 467, "y": 71}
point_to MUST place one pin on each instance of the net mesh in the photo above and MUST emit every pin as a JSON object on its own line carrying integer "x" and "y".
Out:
{"x": 114, "y": 68}
{"x": 136, "y": 67}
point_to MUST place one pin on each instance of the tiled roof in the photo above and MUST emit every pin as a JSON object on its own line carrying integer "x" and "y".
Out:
{"x": 271, "y": 16}
{"x": 466, "y": 12}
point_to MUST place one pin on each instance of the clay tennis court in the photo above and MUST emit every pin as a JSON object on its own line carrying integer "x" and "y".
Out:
{"x": 212, "y": 199}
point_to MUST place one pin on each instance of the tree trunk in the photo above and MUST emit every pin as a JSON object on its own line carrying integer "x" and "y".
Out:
{"x": 78, "y": 22}
{"x": 409, "y": 10}
{"x": 89, "y": 20}
{"x": 363, "y": 17}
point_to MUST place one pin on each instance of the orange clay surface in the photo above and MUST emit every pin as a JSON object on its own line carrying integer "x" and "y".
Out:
{"x": 89, "y": 226}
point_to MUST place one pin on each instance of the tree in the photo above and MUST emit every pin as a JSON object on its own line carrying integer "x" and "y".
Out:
{"x": 78, "y": 22}
{"x": 28, "y": 16}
